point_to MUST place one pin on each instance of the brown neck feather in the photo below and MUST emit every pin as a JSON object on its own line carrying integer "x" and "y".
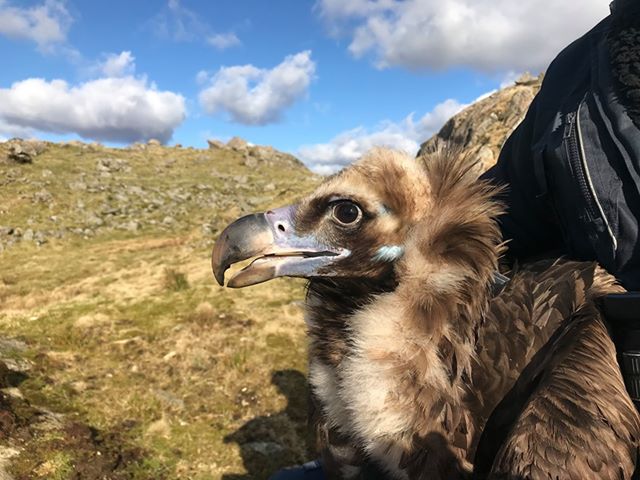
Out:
{"x": 444, "y": 287}
{"x": 447, "y": 272}
{"x": 330, "y": 303}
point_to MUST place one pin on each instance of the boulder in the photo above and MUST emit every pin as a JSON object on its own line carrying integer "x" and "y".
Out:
{"x": 215, "y": 145}
{"x": 237, "y": 143}
{"x": 112, "y": 165}
{"x": 24, "y": 151}
{"x": 250, "y": 162}
{"x": 137, "y": 146}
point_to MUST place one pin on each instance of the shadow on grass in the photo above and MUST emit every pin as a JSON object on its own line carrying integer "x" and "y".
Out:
{"x": 271, "y": 442}
{"x": 57, "y": 445}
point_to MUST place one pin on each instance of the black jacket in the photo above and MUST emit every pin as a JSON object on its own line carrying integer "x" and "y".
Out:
{"x": 572, "y": 166}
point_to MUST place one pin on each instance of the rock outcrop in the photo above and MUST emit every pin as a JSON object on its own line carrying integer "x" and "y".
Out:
{"x": 24, "y": 151}
{"x": 482, "y": 128}
{"x": 255, "y": 154}
{"x": 99, "y": 190}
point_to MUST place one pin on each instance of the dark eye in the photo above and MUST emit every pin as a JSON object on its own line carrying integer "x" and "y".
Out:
{"x": 347, "y": 213}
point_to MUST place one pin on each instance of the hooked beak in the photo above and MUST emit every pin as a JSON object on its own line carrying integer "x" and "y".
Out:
{"x": 281, "y": 252}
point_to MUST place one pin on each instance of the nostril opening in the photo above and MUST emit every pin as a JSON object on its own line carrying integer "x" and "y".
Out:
{"x": 281, "y": 227}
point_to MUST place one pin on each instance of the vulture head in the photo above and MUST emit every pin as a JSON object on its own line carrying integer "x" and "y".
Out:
{"x": 353, "y": 226}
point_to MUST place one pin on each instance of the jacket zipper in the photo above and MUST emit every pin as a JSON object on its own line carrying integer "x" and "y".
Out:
{"x": 577, "y": 158}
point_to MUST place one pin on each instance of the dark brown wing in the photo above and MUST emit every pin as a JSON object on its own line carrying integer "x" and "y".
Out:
{"x": 521, "y": 320}
{"x": 577, "y": 422}
{"x": 569, "y": 415}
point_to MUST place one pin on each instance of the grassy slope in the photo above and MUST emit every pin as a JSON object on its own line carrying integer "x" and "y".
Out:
{"x": 124, "y": 327}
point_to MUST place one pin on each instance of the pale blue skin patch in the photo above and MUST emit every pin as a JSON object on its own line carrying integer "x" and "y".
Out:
{"x": 388, "y": 253}
{"x": 383, "y": 210}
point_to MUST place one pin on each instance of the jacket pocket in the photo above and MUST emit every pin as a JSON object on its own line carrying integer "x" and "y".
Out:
{"x": 588, "y": 232}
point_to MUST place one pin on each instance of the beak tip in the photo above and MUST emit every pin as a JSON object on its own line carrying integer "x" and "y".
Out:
{"x": 218, "y": 269}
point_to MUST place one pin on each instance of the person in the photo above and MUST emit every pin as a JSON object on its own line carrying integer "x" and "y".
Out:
{"x": 572, "y": 167}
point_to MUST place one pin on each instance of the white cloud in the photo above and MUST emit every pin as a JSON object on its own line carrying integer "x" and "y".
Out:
{"x": 46, "y": 24}
{"x": 490, "y": 35}
{"x": 116, "y": 65}
{"x": 222, "y": 41}
{"x": 123, "y": 109}
{"x": 202, "y": 77}
{"x": 326, "y": 158}
{"x": 255, "y": 96}
{"x": 181, "y": 24}
{"x": 9, "y": 131}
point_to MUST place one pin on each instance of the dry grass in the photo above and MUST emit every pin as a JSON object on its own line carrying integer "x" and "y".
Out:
{"x": 127, "y": 332}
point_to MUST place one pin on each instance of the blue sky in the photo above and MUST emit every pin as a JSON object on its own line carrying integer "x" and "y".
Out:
{"x": 324, "y": 80}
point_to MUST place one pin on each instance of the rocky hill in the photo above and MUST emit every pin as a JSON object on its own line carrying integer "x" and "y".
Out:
{"x": 119, "y": 355}
{"x": 482, "y": 128}
{"x": 78, "y": 190}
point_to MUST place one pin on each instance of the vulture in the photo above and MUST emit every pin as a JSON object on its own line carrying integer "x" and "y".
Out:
{"x": 418, "y": 369}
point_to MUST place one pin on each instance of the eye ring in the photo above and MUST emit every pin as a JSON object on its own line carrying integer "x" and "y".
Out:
{"x": 346, "y": 213}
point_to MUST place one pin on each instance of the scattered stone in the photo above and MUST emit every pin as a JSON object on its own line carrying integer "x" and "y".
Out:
{"x": 79, "y": 386}
{"x": 24, "y": 151}
{"x": 94, "y": 220}
{"x": 6, "y": 454}
{"x": 169, "y": 356}
{"x": 132, "y": 226}
{"x": 135, "y": 190}
{"x": 168, "y": 220}
{"x": 9, "y": 344}
{"x": 250, "y": 162}
{"x": 159, "y": 428}
{"x": 240, "y": 179}
{"x": 138, "y": 146}
{"x": 112, "y": 165}
{"x": 43, "y": 196}
{"x": 207, "y": 229}
{"x": 238, "y": 144}
{"x": 40, "y": 238}
{"x": 154, "y": 142}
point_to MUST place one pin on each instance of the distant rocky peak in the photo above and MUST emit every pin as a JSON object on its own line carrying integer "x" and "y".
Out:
{"x": 482, "y": 128}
